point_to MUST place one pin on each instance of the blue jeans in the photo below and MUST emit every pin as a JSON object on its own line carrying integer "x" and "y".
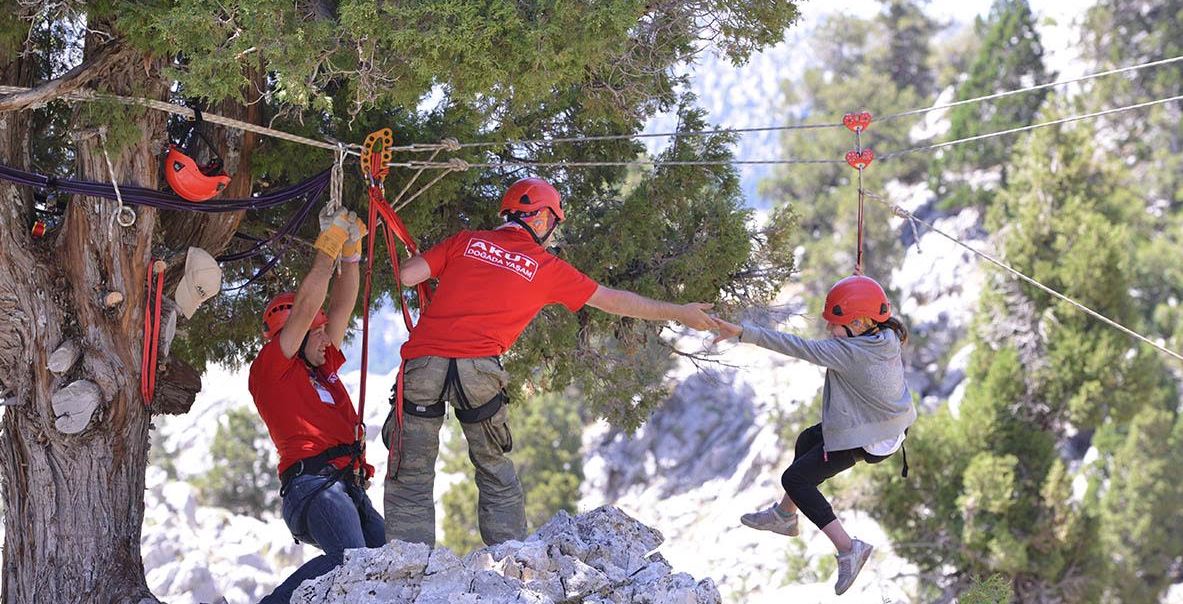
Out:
{"x": 334, "y": 519}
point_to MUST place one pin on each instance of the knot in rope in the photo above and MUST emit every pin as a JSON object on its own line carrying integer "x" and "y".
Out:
{"x": 457, "y": 164}
{"x": 450, "y": 144}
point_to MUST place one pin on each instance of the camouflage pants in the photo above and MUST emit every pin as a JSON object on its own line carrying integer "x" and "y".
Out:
{"x": 410, "y": 477}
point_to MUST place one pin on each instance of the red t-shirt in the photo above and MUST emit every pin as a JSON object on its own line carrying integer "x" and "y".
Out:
{"x": 491, "y": 285}
{"x": 306, "y": 411}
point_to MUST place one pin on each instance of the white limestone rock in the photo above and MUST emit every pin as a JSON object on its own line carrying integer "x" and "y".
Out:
{"x": 601, "y": 556}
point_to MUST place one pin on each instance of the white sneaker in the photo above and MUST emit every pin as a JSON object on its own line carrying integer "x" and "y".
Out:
{"x": 850, "y": 563}
{"x": 772, "y": 520}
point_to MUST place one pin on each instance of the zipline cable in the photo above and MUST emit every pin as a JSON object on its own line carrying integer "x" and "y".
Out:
{"x": 905, "y": 214}
{"x": 1007, "y": 93}
{"x": 1064, "y": 120}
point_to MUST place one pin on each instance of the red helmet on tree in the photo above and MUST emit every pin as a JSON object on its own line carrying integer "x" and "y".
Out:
{"x": 187, "y": 178}
{"x": 191, "y": 181}
{"x": 278, "y": 311}
{"x": 856, "y": 297}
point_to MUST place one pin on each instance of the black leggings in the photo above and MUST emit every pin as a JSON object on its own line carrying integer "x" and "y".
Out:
{"x": 813, "y": 466}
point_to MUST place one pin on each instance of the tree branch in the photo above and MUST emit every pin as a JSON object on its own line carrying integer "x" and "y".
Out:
{"x": 72, "y": 80}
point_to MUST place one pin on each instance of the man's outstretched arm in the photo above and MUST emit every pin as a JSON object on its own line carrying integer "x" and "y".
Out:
{"x": 628, "y": 304}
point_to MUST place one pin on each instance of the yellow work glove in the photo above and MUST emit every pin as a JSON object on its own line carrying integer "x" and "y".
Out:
{"x": 351, "y": 251}
{"x": 333, "y": 233}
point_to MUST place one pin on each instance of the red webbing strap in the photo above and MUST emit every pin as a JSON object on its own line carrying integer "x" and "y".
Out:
{"x": 375, "y": 157}
{"x": 396, "y": 444}
{"x": 151, "y": 335}
{"x": 147, "y": 338}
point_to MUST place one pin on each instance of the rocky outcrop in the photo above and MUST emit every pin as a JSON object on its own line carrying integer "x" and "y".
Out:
{"x": 603, "y": 556}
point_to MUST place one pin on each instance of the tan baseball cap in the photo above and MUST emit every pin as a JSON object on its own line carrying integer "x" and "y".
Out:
{"x": 202, "y": 281}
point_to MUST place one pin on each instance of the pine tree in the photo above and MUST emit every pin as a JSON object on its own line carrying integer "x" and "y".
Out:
{"x": 243, "y": 478}
{"x": 909, "y": 33}
{"x": 995, "y": 491}
{"x": 501, "y": 69}
{"x": 1010, "y": 57}
{"x": 1119, "y": 33}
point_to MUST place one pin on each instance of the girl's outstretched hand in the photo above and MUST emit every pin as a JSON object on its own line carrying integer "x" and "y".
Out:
{"x": 726, "y": 330}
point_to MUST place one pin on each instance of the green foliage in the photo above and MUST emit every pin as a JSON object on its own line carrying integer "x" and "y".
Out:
{"x": 547, "y": 433}
{"x": 500, "y": 53}
{"x": 1140, "y": 510}
{"x": 1118, "y": 33}
{"x": 801, "y": 568}
{"x": 909, "y": 31}
{"x": 992, "y": 590}
{"x": 998, "y": 499}
{"x": 1010, "y": 57}
{"x": 243, "y": 478}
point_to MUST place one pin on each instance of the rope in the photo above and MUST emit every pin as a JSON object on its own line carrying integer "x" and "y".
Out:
{"x": 452, "y": 165}
{"x": 148, "y": 358}
{"x": 452, "y": 144}
{"x": 858, "y": 258}
{"x": 91, "y": 95}
{"x": 901, "y": 212}
{"x": 610, "y": 137}
{"x": 1064, "y": 120}
{"x": 1007, "y": 93}
{"x": 336, "y": 180}
{"x": 457, "y": 165}
{"x": 122, "y": 211}
{"x": 157, "y": 199}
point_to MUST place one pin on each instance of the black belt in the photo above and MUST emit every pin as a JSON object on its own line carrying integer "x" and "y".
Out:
{"x": 319, "y": 464}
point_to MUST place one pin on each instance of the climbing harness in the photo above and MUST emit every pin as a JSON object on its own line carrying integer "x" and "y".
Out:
{"x": 152, "y": 303}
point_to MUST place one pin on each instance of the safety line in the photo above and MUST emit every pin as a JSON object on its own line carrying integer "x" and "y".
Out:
{"x": 1064, "y": 120}
{"x": 1007, "y": 93}
{"x": 90, "y": 95}
{"x": 905, "y": 214}
{"x": 453, "y": 145}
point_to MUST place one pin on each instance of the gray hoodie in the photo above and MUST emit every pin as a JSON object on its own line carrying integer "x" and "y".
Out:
{"x": 865, "y": 399}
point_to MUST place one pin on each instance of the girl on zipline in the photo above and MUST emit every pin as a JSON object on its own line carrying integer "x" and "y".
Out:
{"x": 866, "y": 408}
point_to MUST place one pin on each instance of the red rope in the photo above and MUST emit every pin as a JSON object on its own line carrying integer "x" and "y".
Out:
{"x": 151, "y": 335}
{"x": 395, "y": 232}
{"x": 374, "y": 167}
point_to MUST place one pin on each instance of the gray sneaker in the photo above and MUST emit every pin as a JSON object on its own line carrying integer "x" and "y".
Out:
{"x": 772, "y": 520}
{"x": 850, "y": 563}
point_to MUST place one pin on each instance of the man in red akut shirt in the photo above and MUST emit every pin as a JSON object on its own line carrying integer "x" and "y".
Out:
{"x": 491, "y": 285}
{"x": 294, "y": 382}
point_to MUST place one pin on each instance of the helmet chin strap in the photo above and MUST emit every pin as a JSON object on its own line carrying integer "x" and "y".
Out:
{"x": 874, "y": 328}
{"x": 513, "y": 217}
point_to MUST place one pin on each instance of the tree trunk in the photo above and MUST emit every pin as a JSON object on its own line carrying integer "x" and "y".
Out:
{"x": 75, "y": 502}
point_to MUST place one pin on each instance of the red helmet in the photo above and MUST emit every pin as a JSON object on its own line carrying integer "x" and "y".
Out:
{"x": 191, "y": 181}
{"x": 855, "y": 297}
{"x": 531, "y": 195}
{"x": 278, "y": 311}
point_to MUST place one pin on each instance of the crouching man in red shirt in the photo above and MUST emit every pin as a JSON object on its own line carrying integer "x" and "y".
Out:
{"x": 491, "y": 285}
{"x": 310, "y": 417}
